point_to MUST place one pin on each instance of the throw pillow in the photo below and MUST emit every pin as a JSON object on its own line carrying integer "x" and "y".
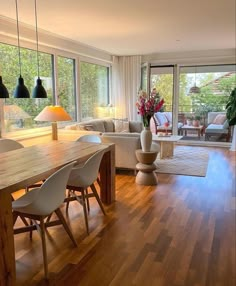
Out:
{"x": 71, "y": 127}
{"x": 219, "y": 119}
{"x": 121, "y": 125}
{"x": 161, "y": 118}
{"x": 169, "y": 116}
{"x": 86, "y": 127}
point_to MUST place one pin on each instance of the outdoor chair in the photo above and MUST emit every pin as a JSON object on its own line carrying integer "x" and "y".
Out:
{"x": 218, "y": 126}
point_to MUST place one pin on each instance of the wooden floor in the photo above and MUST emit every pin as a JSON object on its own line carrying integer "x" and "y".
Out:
{"x": 180, "y": 232}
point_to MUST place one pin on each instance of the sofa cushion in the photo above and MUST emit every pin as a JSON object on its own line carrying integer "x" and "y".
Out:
{"x": 71, "y": 127}
{"x": 161, "y": 118}
{"x": 169, "y": 116}
{"x": 121, "y": 125}
{"x": 109, "y": 126}
{"x": 93, "y": 125}
{"x": 216, "y": 128}
{"x": 135, "y": 126}
{"x": 120, "y": 134}
{"x": 226, "y": 124}
{"x": 219, "y": 119}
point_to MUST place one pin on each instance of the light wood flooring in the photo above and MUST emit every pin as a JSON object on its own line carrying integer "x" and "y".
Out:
{"x": 178, "y": 233}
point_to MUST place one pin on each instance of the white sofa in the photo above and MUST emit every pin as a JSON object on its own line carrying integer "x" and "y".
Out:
{"x": 127, "y": 140}
{"x": 218, "y": 126}
{"x": 107, "y": 125}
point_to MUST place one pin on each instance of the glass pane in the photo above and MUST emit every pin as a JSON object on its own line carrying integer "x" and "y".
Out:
{"x": 216, "y": 84}
{"x": 162, "y": 80}
{"x": 19, "y": 114}
{"x": 66, "y": 85}
{"x": 94, "y": 91}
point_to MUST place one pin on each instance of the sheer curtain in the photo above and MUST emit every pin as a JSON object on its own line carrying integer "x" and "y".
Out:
{"x": 126, "y": 80}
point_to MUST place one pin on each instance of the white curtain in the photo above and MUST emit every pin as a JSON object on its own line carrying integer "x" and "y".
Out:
{"x": 126, "y": 80}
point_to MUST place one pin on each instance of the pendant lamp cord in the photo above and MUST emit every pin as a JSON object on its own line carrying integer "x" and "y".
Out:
{"x": 36, "y": 28}
{"x": 18, "y": 36}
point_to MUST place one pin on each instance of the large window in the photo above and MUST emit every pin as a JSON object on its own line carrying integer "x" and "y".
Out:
{"x": 94, "y": 90}
{"x": 19, "y": 114}
{"x": 66, "y": 85}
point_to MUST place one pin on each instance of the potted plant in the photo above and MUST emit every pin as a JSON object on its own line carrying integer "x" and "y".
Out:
{"x": 189, "y": 120}
{"x": 231, "y": 116}
{"x": 196, "y": 120}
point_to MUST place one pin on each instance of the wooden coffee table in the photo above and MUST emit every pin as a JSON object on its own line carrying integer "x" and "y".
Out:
{"x": 166, "y": 144}
{"x": 187, "y": 128}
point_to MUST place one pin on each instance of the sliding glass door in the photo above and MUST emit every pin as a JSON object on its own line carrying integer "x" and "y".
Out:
{"x": 204, "y": 92}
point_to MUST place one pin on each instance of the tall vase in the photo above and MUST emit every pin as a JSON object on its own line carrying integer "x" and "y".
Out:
{"x": 146, "y": 139}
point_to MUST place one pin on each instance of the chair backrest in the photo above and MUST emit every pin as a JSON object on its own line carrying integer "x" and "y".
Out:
{"x": 9, "y": 145}
{"x": 212, "y": 115}
{"x": 90, "y": 138}
{"x": 83, "y": 176}
{"x": 52, "y": 192}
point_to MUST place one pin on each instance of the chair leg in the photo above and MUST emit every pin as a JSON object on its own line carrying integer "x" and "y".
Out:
{"x": 66, "y": 227}
{"x": 97, "y": 197}
{"x": 87, "y": 199}
{"x": 31, "y": 232}
{"x": 45, "y": 262}
{"x": 85, "y": 211}
{"x": 67, "y": 203}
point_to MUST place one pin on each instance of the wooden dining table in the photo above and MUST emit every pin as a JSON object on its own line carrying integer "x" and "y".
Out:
{"x": 26, "y": 166}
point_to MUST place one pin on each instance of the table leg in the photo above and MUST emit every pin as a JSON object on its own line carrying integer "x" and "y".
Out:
{"x": 7, "y": 254}
{"x": 107, "y": 176}
{"x": 167, "y": 149}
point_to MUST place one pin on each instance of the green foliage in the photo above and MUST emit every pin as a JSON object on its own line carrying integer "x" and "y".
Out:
{"x": 226, "y": 85}
{"x": 93, "y": 88}
{"x": 231, "y": 108}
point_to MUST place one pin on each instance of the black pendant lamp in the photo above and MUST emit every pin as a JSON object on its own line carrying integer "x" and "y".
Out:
{"x": 38, "y": 91}
{"x": 3, "y": 90}
{"x": 21, "y": 90}
{"x": 195, "y": 89}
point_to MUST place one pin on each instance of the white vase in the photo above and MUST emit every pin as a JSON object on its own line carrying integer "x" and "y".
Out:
{"x": 146, "y": 139}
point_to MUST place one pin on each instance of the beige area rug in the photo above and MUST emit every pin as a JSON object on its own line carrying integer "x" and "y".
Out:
{"x": 188, "y": 161}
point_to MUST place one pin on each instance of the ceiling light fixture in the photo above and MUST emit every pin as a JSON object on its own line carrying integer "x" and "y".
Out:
{"x": 3, "y": 90}
{"x": 38, "y": 91}
{"x": 21, "y": 90}
{"x": 195, "y": 89}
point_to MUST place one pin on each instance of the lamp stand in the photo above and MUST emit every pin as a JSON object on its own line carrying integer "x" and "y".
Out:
{"x": 54, "y": 131}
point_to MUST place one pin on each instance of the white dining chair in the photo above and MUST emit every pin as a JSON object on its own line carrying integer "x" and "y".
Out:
{"x": 9, "y": 145}
{"x": 90, "y": 138}
{"x": 82, "y": 179}
{"x": 40, "y": 203}
{"x": 93, "y": 138}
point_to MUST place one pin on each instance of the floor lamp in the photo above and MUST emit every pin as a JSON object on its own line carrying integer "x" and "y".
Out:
{"x": 53, "y": 114}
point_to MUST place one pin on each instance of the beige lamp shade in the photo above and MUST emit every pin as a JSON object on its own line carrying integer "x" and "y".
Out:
{"x": 53, "y": 114}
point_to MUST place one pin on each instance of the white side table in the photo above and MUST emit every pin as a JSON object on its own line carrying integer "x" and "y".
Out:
{"x": 146, "y": 168}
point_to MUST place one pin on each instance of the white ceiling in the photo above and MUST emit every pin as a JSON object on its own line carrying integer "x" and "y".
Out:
{"x": 131, "y": 27}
